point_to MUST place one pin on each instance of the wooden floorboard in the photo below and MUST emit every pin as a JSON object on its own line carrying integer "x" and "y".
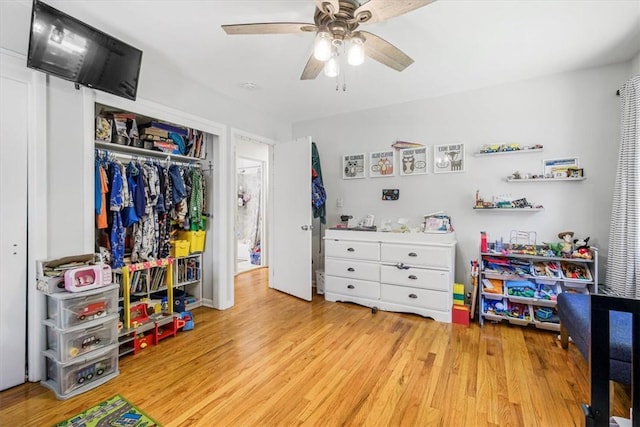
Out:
{"x": 275, "y": 360}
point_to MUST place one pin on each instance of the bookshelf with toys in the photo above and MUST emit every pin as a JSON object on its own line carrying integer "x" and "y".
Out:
{"x": 519, "y": 283}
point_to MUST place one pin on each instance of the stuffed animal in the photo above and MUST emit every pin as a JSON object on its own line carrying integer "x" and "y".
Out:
{"x": 581, "y": 248}
{"x": 567, "y": 247}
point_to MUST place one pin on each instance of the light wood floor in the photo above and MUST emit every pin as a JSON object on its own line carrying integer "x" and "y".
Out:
{"x": 275, "y": 360}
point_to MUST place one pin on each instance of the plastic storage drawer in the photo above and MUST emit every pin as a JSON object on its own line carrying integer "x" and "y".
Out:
{"x": 83, "y": 373}
{"x": 68, "y": 344}
{"x": 69, "y": 309}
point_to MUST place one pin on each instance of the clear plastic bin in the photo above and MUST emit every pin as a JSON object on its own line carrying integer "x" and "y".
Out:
{"x": 67, "y": 309}
{"x": 68, "y": 344}
{"x": 82, "y": 374}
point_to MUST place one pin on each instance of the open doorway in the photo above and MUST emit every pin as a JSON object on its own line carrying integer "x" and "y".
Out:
{"x": 251, "y": 186}
{"x": 249, "y": 214}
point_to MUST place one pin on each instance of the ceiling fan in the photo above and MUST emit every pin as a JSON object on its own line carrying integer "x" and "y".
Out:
{"x": 336, "y": 22}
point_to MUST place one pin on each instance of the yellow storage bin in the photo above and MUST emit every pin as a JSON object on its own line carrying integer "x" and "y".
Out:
{"x": 179, "y": 248}
{"x": 195, "y": 239}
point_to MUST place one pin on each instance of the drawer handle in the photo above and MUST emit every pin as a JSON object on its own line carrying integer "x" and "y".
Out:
{"x": 412, "y": 254}
{"x": 413, "y": 296}
{"x": 412, "y": 277}
{"x": 351, "y": 269}
{"x": 351, "y": 249}
{"x": 401, "y": 266}
{"x": 351, "y": 287}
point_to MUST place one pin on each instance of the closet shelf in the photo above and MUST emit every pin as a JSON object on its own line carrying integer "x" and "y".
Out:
{"x": 143, "y": 152}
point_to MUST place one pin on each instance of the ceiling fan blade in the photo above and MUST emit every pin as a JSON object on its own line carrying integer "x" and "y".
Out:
{"x": 381, "y": 10}
{"x": 269, "y": 28}
{"x": 312, "y": 69}
{"x": 328, "y": 6}
{"x": 384, "y": 52}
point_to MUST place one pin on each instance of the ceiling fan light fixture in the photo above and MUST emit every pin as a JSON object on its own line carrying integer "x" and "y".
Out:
{"x": 355, "y": 56}
{"x": 332, "y": 67}
{"x": 322, "y": 46}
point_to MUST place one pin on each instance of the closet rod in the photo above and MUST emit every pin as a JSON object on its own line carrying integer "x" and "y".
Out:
{"x": 128, "y": 156}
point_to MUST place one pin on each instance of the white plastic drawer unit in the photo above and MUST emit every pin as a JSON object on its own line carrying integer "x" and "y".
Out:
{"x": 429, "y": 256}
{"x": 351, "y": 249}
{"x": 352, "y": 287}
{"x": 416, "y": 277}
{"x": 352, "y": 269}
{"x": 67, "y": 309}
{"x": 67, "y": 344}
{"x": 422, "y": 298}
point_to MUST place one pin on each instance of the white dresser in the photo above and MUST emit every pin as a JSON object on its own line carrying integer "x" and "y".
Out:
{"x": 406, "y": 272}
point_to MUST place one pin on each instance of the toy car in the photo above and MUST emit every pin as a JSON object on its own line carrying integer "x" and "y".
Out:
{"x": 89, "y": 341}
{"x": 96, "y": 308}
{"x": 88, "y": 373}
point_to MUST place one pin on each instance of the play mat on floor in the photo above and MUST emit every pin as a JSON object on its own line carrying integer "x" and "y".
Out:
{"x": 113, "y": 412}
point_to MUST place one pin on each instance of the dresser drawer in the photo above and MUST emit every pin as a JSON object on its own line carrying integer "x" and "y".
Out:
{"x": 352, "y": 269}
{"x": 351, "y": 249}
{"x": 416, "y": 277}
{"x": 423, "y": 298}
{"x": 352, "y": 287}
{"x": 430, "y": 256}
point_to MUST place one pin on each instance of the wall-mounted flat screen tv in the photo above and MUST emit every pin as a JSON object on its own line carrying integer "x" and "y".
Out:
{"x": 65, "y": 47}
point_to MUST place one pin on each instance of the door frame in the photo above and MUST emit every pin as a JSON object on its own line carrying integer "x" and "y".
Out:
{"x": 263, "y": 211}
{"x": 13, "y": 67}
{"x": 235, "y": 135}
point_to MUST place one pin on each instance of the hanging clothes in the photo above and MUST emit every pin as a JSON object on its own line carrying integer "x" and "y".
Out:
{"x": 318, "y": 194}
{"x": 115, "y": 206}
{"x": 101, "y": 218}
{"x": 195, "y": 200}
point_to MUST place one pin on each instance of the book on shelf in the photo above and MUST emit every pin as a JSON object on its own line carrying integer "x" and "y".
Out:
{"x": 165, "y": 126}
{"x": 152, "y": 131}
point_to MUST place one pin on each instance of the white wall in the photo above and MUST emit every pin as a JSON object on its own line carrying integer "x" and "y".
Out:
{"x": 573, "y": 114}
{"x": 635, "y": 65}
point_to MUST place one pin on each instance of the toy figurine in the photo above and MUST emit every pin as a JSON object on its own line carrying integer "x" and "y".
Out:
{"x": 567, "y": 243}
{"x": 581, "y": 248}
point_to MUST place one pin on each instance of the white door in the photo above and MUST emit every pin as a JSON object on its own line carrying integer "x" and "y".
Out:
{"x": 13, "y": 231}
{"x": 290, "y": 235}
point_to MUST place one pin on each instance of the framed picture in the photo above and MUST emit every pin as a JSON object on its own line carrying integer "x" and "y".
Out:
{"x": 413, "y": 161}
{"x": 448, "y": 158}
{"x": 573, "y": 172}
{"x": 353, "y": 166}
{"x": 558, "y": 168}
{"x": 381, "y": 164}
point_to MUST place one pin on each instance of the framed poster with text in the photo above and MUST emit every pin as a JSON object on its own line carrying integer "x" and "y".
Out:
{"x": 413, "y": 161}
{"x": 381, "y": 164}
{"x": 448, "y": 158}
{"x": 353, "y": 166}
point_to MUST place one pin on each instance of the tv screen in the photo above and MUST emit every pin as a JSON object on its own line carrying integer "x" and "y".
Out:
{"x": 65, "y": 47}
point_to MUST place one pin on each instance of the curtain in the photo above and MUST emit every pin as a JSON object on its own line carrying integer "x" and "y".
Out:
{"x": 623, "y": 265}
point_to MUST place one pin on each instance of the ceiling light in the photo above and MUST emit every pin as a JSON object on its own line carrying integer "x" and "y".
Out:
{"x": 322, "y": 46}
{"x": 331, "y": 67}
{"x": 355, "y": 56}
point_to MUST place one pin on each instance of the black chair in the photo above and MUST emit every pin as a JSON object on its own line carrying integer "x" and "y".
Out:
{"x": 597, "y": 414}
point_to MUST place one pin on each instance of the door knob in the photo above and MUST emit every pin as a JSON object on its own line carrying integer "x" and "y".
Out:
{"x": 304, "y": 227}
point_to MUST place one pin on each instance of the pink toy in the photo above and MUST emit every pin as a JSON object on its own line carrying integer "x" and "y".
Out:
{"x": 88, "y": 277}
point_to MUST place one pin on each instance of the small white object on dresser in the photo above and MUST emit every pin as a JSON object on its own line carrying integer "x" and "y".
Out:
{"x": 403, "y": 272}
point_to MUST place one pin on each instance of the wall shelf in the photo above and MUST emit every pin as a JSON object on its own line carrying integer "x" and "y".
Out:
{"x": 521, "y": 151}
{"x": 509, "y": 209}
{"x": 545, "y": 179}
